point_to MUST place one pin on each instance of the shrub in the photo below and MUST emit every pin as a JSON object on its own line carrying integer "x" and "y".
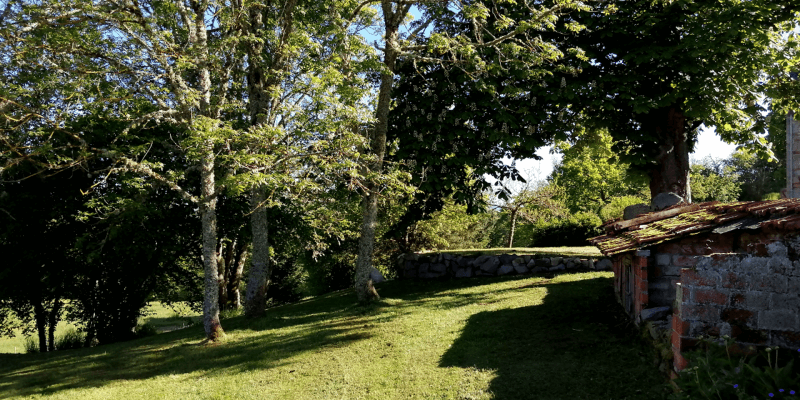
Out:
{"x": 71, "y": 339}
{"x": 715, "y": 373}
{"x": 570, "y": 231}
{"x": 144, "y": 330}
{"x": 31, "y": 345}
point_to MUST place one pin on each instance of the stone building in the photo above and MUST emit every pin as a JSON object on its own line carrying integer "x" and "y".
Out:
{"x": 711, "y": 269}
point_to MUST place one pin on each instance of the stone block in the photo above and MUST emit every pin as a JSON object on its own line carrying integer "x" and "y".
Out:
{"x": 507, "y": 258}
{"x": 571, "y": 264}
{"x": 789, "y": 301}
{"x": 700, "y": 312}
{"x": 505, "y": 270}
{"x": 655, "y": 314}
{"x": 702, "y": 295}
{"x": 642, "y": 253}
{"x": 423, "y": 268}
{"x": 490, "y": 265}
{"x": 778, "y": 320}
{"x": 691, "y": 277}
{"x": 664, "y": 200}
{"x": 559, "y": 267}
{"x": 437, "y": 268}
{"x": 521, "y": 269}
{"x": 555, "y": 261}
{"x": 539, "y": 270}
{"x": 518, "y": 261}
{"x": 543, "y": 262}
{"x": 635, "y": 210}
{"x": 483, "y": 259}
{"x": 604, "y": 264}
{"x": 671, "y": 270}
{"x": 527, "y": 258}
{"x": 777, "y": 249}
{"x": 793, "y": 284}
{"x": 464, "y": 272}
{"x": 663, "y": 258}
{"x": 770, "y": 283}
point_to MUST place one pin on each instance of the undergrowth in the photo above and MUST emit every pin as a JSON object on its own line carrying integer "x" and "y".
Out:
{"x": 718, "y": 372}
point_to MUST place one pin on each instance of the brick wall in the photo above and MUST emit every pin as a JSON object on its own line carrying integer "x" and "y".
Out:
{"x": 754, "y": 299}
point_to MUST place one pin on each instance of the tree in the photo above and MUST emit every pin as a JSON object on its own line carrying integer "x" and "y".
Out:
{"x": 714, "y": 180}
{"x": 591, "y": 173}
{"x": 183, "y": 63}
{"x": 526, "y": 200}
{"x": 656, "y": 71}
{"x": 440, "y": 47}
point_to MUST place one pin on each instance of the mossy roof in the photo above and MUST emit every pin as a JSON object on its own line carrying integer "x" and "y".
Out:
{"x": 682, "y": 220}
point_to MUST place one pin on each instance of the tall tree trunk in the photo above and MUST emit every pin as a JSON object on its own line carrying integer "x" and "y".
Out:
{"x": 671, "y": 171}
{"x": 513, "y": 228}
{"x": 258, "y": 280}
{"x": 52, "y": 322}
{"x": 208, "y": 210}
{"x": 40, "y": 317}
{"x": 235, "y": 277}
{"x": 365, "y": 291}
{"x": 222, "y": 271}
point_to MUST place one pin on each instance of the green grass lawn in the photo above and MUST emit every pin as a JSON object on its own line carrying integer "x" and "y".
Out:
{"x": 499, "y": 338}
{"x": 587, "y": 251}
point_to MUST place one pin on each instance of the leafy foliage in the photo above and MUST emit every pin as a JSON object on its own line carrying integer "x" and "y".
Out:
{"x": 714, "y": 180}
{"x": 716, "y": 373}
{"x": 591, "y": 172}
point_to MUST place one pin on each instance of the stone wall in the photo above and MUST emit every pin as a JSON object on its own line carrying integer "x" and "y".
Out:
{"x": 434, "y": 266}
{"x": 753, "y": 299}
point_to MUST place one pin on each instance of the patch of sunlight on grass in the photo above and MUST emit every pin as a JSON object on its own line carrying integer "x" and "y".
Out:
{"x": 498, "y": 338}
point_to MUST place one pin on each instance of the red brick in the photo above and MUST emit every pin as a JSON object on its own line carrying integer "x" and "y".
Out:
{"x": 640, "y": 262}
{"x": 679, "y": 326}
{"x": 709, "y": 296}
{"x": 738, "y": 300}
{"x": 669, "y": 248}
{"x": 679, "y": 362}
{"x": 692, "y": 278}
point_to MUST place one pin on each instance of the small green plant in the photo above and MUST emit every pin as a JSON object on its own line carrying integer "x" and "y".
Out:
{"x": 144, "y": 330}
{"x": 230, "y": 313}
{"x": 70, "y": 339}
{"x": 31, "y": 345}
{"x": 716, "y": 373}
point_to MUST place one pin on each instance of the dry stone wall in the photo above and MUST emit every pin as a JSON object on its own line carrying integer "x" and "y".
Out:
{"x": 438, "y": 266}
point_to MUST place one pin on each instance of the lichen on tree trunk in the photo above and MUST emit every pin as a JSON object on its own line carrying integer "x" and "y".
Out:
{"x": 670, "y": 173}
{"x": 208, "y": 217}
{"x": 258, "y": 280}
{"x": 365, "y": 291}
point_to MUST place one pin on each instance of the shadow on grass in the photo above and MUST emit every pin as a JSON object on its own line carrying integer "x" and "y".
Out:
{"x": 576, "y": 345}
{"x": 572, "y": 346}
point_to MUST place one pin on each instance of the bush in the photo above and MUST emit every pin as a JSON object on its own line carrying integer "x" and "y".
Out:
{"x": 71, "y": 339}
{"x": 616, "y": 208}
{"x": 715, "y": 373}
{"x": 570, "y": 231}
{"x": 145, "y": 330}
{"x": 771, "y": 196}
{"x": 31, "y": 345}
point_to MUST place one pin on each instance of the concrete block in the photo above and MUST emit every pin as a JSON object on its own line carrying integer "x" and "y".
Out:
{"x": 663, "y": 258}
{"x": 671, "y": 270}
{"x": 789, "y": 301}
{"x": 778, "y": 320}
{"x": 770, "y": 283}
{"x": 654, "y": 314}
{"x": 642, "y": 253}
{"x": 701, "y": 295}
